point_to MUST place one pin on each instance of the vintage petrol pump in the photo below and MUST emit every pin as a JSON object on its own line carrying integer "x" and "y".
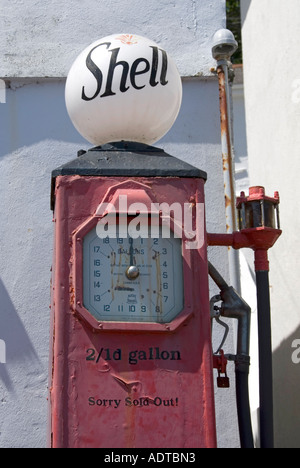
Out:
{"x": 131, "y": 356}
{"x": 132, "y": 364}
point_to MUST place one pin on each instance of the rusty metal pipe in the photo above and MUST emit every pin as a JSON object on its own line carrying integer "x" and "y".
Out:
{"x": 227, "y": 150}
{"x": 228, "y": 168}
{"x": 223, "y": 47}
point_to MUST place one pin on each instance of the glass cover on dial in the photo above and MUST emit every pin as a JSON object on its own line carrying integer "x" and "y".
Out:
{"x": 133, "y": 280}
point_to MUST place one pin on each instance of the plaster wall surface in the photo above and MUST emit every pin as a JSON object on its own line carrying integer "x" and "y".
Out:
{"x": 272, "y": 103}
{"x": 38, "y": 43}
{"x": 43, "y": 38}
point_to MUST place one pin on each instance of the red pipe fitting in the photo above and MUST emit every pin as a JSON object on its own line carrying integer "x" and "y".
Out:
{"x": 259, "y": 239}
{"x": 257, "y": 226}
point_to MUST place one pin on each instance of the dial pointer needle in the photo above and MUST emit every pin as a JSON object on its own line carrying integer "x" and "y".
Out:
{"x": 132, "y": 271}
{"x": 131, "y": 252}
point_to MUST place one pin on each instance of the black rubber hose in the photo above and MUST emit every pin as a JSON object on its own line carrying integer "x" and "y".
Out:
{"x": 243, "y": 406}
{"x": 265, "y": 360}
{"x": 218, "y": 279}
{"x": 242, "y": 361}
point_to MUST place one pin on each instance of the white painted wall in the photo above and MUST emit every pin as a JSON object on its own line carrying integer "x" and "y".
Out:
{"x": 43, "y": 38}
{"x": 272, "y": 99}
{"x": 38, "y": 42}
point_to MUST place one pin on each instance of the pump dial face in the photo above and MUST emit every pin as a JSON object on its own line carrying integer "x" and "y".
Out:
{"x": 133, "y": 280}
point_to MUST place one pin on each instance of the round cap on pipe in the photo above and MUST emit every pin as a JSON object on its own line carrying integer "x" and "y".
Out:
{"x": 224, "y": 45}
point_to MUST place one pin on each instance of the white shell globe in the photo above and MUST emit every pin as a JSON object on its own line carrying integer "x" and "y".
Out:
{"x": 123, "y": 87}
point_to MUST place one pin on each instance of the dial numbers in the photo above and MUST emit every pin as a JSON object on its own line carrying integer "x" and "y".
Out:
{"x": 132, "y": 280}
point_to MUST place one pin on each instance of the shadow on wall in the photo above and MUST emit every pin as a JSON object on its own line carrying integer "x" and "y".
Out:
{"x": 45, "y": 103}
{"x": 12, "y": 332}
{"x": 245, "y": 5}
{"x": 286, "y": 374}
{"x": 198, "y": 120}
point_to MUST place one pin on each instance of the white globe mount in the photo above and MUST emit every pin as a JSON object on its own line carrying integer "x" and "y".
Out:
{"x": 123, "y": 87}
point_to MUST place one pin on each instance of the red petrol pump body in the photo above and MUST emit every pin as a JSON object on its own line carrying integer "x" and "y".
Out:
{"x": 132, "y": 363}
